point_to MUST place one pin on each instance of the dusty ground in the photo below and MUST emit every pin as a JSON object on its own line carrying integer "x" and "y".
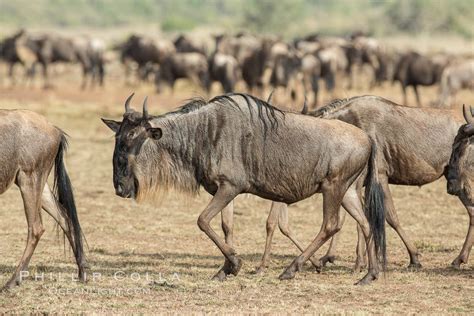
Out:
{"x": 155, "y": 259}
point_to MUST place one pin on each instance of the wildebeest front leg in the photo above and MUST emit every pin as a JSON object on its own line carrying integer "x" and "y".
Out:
{"x": 404, "y": 91}
{"x": 332, "y": 198}
{"x": 330, "y": 255}
{"x": 224, "y": 195}
{"x": 227, "y": 217}
{"x": 30, "y": 188}
{"x": 46, "y": 83}
{"x": 466, "y": 248}
{"x": 417, "y": 95}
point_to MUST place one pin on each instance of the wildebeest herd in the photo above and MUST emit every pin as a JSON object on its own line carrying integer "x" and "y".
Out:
{"x": 348, "y": 150}
{"x": 258, "y": 61}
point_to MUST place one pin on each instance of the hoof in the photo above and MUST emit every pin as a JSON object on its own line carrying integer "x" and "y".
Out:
{"x": 456, "y": 264}
{"x": 220, "y": 275}
{"x": 82, "y": 276}
{"x": 415, "y": 266}
{"x": 367, "y": 279}
{"x": 10, "y": 285}
{"x": 318, "y": 268}
{"x": 288, "y": 274}
{"x": 235, "y": 267}
{"x": 325, "y": 259}
{"x": 260, "y": 270}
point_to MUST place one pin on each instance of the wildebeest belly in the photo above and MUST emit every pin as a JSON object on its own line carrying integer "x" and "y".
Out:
{"x": 414, "y": 171}
{"x": 8, "y": 166}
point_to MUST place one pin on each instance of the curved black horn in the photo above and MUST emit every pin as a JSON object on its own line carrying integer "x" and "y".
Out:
{"x": 468, "y": 114}
{"x": 127, "y": 103}
{"x": 269, "y": 99}
{"x": 145, "y": 108}
{"x": 305, "y": 106}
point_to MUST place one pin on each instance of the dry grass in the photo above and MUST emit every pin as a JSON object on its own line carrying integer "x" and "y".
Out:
{"x": 127, "y": 238}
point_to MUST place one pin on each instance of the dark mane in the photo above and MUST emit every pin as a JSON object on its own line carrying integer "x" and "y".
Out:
{"x": 190, "y": 106}
{"x": 267, "y": 113}
{"x": 338, "y": 104}
{"x": 332, "y": 106}
{"x": 270, "y": 114}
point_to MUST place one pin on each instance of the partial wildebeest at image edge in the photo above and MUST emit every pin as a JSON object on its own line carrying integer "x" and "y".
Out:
{"x": 31, "y": 148}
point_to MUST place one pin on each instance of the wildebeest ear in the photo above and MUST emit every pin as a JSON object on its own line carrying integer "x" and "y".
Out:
{"x": 469, "y": 129}
{"x": 113, "y": 125}
{"x": 154, "y": 132}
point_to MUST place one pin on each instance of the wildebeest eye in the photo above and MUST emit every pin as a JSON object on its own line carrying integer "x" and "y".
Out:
{"x": 131, "y": 134}
{"x": 122, "y": 160}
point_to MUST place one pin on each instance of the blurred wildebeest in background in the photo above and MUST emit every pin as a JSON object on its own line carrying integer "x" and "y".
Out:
{"x": 363, "y": 50}
{"x": 19, "y": 49}
{"x": 237, "y": 144}
{"x": 45, "y": 49}
{"x": 455, "y": 77}
{"x": 224, "y": 69}
{"x": 30, "y": 147}
{"x": 185, "y": 44}
{"x": 251, "y": 53}
{"x": 192, "y": 66}
{"x": 414, "y": 69}
{"x": 145, "y": 52}
{"x": 460, "y": 176}
{"x": 285, "y": 68}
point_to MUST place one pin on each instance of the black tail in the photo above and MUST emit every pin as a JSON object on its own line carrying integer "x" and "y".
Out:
{"x": 375, "y": 208}
{"x": 64, "y": 194}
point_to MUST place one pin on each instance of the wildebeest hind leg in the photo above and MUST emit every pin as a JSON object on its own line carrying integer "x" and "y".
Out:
{"x": 30, "y": 188}
{"x": 332, "y": 198}
{"x": 50, "y": 205}
{"x": 353, "y": 205}
{"x": 466, "y": 248}
{"x": 361, "y": 262}
{"x": 272, "y": 222}
{"x": 224, "y": 195}
{"x": 227, "y": 217}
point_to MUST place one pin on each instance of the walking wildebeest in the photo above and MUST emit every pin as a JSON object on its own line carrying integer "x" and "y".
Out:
{"x": 192, "y": 66}
{"x": 285, "y": 69}
{"x": 29, "y": 148}
{"x": 460, "y": 176}
{"x": 416, "y": 70}
{"x": 185, "y": 44}
{"x": 19, "y": 48}
{"x": 47, "y": 49}
{"x": 237, "y": 144}
{"x": 144, "y": 52}
{"x": 414, "y": 146}
{"x": 454, "y": 78}
{"x": 251, "y": 53}
{"x": 224, "y": 69}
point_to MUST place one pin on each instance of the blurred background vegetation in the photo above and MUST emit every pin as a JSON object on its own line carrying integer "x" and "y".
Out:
{"x": 289, "y": 18}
